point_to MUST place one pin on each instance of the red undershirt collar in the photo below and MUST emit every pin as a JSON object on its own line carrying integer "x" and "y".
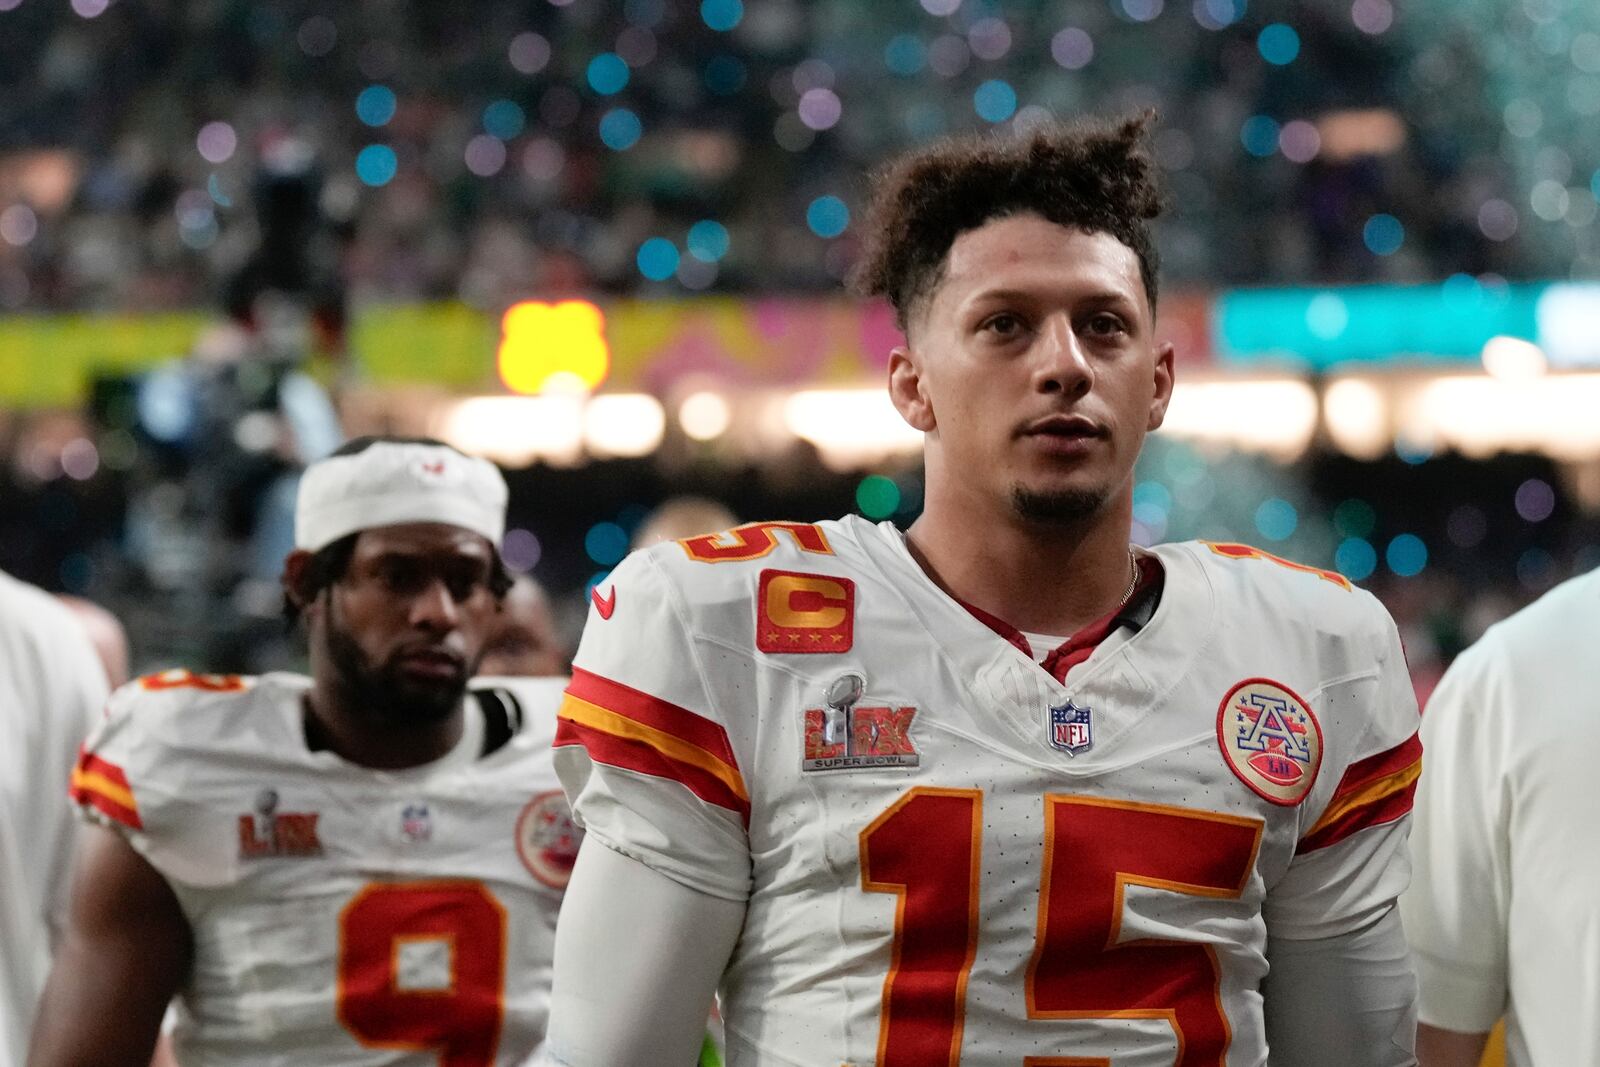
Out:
{"x": 1135, "y": 614}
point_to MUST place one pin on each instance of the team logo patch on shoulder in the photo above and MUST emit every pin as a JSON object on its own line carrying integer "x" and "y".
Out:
{"x": 1270, "y": 739}
{"x": 548, "y": 839}
{"x": 809, "y": 613}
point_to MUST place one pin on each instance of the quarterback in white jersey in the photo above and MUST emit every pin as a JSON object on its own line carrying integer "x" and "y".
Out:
{"x": 358, "y": 868}
{"x": 1000, "y": 791}
{"x": 342, "y": 914}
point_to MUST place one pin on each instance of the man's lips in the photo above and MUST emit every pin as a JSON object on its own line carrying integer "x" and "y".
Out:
{"x": 1063, "y": 426}
{"x": 434, "y": 663}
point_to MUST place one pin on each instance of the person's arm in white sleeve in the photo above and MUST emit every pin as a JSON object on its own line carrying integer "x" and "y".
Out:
{"x": 1342, "y": 1000}
{"x": 637, "y": 960}
{"x": 1341, "y": 991}
{"x": 1458, "y": 905}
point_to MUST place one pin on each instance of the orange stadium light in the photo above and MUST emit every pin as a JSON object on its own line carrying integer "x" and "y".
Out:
{"x": 544, "y": 345}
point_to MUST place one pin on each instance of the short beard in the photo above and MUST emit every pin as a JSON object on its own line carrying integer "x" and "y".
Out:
{"x": 1061, "y": 507}
{"x": 382, "y": 691}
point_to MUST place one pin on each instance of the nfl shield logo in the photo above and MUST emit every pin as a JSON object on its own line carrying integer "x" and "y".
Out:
{"x": 1071, "y": 728}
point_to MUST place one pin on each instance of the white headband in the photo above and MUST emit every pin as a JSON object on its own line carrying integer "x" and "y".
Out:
{"x": 389, "y": 483}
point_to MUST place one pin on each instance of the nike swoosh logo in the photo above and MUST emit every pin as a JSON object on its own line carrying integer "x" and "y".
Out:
{"x": 605, "y": 605}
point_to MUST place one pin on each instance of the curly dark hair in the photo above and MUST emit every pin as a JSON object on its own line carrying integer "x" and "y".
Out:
{"x": 1091, "y": 174}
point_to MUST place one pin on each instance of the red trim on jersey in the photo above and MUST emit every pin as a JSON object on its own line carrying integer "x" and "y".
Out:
{"x": 632, "y": 754}
{"x": 100, "y": 784}
{"x": 1374, "y": 791}
{"x": 1081, "y": 645}
{"x": 653, "y": 711}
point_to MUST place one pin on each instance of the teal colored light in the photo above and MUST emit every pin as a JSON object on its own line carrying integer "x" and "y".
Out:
{"x": 725, "y": 75}
{"x": 1412, "y": 452}
{"x": 1383, "y": 235}
{"x": 504, "y": 119}
{"x": 1462, "y": 292}
{"x": 827, "y": 216}
{"x": 1278, "y": 44}
{"x": 707, "y": 241}
{"x": 1259, "y": 135}
{"x": 1355, "y": 518}
{"x": 722, "y": 15}
{"x": 376, "y": 165}
{"x": 1277, "y": 519}
{"x": 1594, "y": 184}
{"x": 1356, "y": 559}
{"x": 995, "y": 100}
{"x": 376, "y": 105}
{"x": 1153, "y": 493}
{"x": 905, "y": 54}
{"x": 1429, "y": 324}
{"x": 607, "y": 73}
{"x": 1406, "y": 555}
{"x": 606, "y": 543}
{"x": 877, "y": 496}
{"x": 657, "y": 259}
{"x": 620, "y": 129}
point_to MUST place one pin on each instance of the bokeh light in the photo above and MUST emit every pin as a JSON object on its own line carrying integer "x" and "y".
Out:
{"x": 216, "y": 142}
{"x": 905, "y": 54}
{"x": 989, "y": 38}
{"x": 504, "y": 119}
{"x": 1072, "y": 48}
{"x": 707, "y": 240}
{"x": 485, "y": 156}
{"x": 529, "y": 53}
{"x": 828, "y": 216}
{"x": 376, "y": 165}
{"x": 18, "y": 225}
{"x": 1372, "y": 16}
{"x": 1467, "y": 526}
{"x": 1218, "y": 14}
{"x": 376, "y": 105}
{"x": 1276, "y": 519}
{"x": 657, "y": 259}
{"x": 521, "y": 549}
{"x": 995, "y": 100}
{"x": 877, "y": 497}
{"x": 1278, "y": 44}
{"x": 1141, "y": 10}
{"x": 620, "y": 129}
{"x": 1406, "y": 555}
{"x": 1259, "y": 135}
{"x": 606, "y": 543}
{"x": 1535, "y": 500}
{"x": 721, "y": 15}
{"x": 1383, "y": 234}
{"x": 819, "y": 108}
{"x": 607, "y": 73}
{"x": 1355, "y": 558}
{"x": 543, "y": 342}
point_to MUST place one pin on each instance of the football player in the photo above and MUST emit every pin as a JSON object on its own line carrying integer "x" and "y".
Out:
{"x": 1002, "y": 790}
{"x": 360, "y": 867}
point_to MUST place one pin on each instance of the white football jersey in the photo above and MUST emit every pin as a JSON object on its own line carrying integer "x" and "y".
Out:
{"x": 343, "y": 915}
{"x": 949, "y": 856}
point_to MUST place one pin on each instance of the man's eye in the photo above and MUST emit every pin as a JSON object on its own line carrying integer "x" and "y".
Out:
{"x": 1106, "y": 325}
{"x": 1003, "y": 325}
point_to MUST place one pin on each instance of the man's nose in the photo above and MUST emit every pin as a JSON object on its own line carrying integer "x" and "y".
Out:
{"x": 1063, "y": 364}
{"x": 434, "y": 608}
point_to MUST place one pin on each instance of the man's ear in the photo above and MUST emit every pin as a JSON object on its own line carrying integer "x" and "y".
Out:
{"x": 906, "y": 390}
{"x": 296, "y": 579}
{"x": 1165, "y": 357}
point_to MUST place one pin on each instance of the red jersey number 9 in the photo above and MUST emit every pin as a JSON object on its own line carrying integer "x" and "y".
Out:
{"x": 422, "y": 967}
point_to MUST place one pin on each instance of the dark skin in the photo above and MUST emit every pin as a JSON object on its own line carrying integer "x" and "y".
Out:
{"x": 409, "y": 619}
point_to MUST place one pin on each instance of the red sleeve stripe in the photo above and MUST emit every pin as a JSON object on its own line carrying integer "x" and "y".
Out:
{"x": 1393, "y": 806}
{"x": 100, "y": 784}
{"x": 654, "y": 712}
{"x": 638, "y": 753}
{"x": 1374, "y": 791}
{"x": 1363, "y": 773}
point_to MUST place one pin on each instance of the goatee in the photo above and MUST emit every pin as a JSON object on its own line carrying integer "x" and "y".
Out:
{"x": 1059, "y": 507}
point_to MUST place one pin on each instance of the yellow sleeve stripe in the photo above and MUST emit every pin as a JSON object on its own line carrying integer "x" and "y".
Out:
{"x": 94, "y": 782}
{"x": 1368, "y": 795}
{"x": 595, "y": 717}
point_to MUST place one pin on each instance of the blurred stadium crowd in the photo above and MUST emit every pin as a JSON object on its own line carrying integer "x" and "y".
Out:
{"x": 169, "y": 154}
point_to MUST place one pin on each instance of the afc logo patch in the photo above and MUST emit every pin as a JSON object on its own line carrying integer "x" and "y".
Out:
{"x": 1270, "y": 739}
{"x": 804, "y": 613}
{"x": 548, "y": 839}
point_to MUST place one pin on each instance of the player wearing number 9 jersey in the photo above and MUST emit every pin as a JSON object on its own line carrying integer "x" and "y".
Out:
{"x": 360, "y": 868}
{"x": 999, "y": 791}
